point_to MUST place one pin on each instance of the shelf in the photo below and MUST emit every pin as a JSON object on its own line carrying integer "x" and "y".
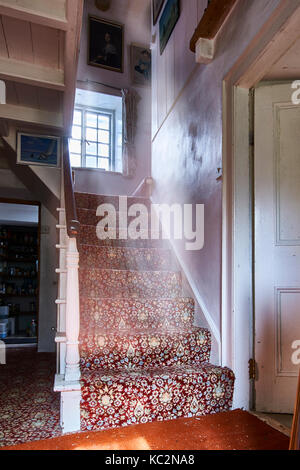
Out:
{"x": 18, "y": 295}
{"x": 17, "y": 314}
{"x": 8, "y": 276}
{"x": 16, "y": 339}
{"x": 18, "y": 260}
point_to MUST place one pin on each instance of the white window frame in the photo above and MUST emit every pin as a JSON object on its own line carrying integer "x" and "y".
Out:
{"x": 112, "y": 141}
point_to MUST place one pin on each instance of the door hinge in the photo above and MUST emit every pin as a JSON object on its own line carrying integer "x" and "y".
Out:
{"x": 252, "y": 369}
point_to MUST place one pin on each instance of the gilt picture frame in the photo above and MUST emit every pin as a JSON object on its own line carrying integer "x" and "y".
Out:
{"x": 106, "y": 44}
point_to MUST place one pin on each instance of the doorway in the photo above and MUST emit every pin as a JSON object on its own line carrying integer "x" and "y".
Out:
{"x": 19, "y": 272}
{"x": 270, "y": 56}
{"x": 276, "y": 246}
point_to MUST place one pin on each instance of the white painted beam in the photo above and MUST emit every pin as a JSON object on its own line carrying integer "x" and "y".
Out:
{"x": 31, "y": 116}
{"x": 31, "y": 74}
{"x": 47, "y": 13}
{"x": 205, "y": 50}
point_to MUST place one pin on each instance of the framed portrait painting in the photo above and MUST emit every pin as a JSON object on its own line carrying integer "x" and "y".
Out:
{"x": 140, "y": 65}
{"x": 38, "y": 149}
{"x": 156, "y": 8}
{"x": 106, "y": 44}
{"x": 168, "y": 21}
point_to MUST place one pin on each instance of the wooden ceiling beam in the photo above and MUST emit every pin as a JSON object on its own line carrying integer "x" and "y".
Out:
{"x": 31, "y": 116}
{"x": 31, "y": 74}
{"x": 34, "y": 14}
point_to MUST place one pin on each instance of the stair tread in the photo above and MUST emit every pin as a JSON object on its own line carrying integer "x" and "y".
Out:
{"x": 127, "y": 332}
{"x": 181, "y": 370}
{"x": 124, "y": 248}
{"x": 89, "y": 216}
{"x": 134, "y": 271}
{"x": 94, "y": 210}
{"x": 122, "y": 258}
{"x": 87, "y": 233}
{"x": 143, "y": 300}
{"x": 89, "y": 201}
{"x": 111, "y": 196}
{"x": 144, "y": 349}
{"x": 121, "y": 398}
{"x": 136, "y": 312}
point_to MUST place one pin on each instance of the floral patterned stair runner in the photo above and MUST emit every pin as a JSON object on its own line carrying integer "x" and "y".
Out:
{"x": 142, "y": 358}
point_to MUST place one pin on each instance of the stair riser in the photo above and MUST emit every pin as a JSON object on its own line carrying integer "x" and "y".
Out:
{"x": 88, "y": 236}
{"x": 125, "y": 314}
{"x": 125, "y": 258}
{"x": 89, "y": 217}
{"x": 92, "y": 201}
{"x": 143, "y": 351}
{"x": 123, "y": 284}
{"x": 122, "y": 399}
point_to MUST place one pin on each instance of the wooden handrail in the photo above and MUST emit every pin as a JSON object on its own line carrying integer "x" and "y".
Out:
{"x": 212, "y": 21}
{"x": 70, "y": 206}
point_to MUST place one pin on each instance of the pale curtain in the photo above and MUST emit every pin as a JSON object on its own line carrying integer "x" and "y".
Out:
{"x": 130, "y": 101}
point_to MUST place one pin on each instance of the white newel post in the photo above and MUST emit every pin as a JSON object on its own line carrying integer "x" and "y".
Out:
{"x": 69, "y": 383}
{"x": 72, "y": 372}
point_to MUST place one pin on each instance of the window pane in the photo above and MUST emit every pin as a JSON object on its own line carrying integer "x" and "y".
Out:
{"x": 103, "y": 137}
{"x": 77, "y": 117}
{"x": 91, "y": 134}
{"x": 91, "y": 148}
{"x": 103, "y": 122}
{"x": 75, "y": 160}
{"x": 103, "y": 163}
{"x": 103, "y": 150}
{"x": 91, "y": 120}
{"x": 76, "y": 132}
{"x": 91, "y": 162}
{"x": 75, "y": 146}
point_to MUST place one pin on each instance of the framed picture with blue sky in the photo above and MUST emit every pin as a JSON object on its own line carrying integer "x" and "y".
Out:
{"x": 38, "y": 149}
{"x": 167, "y": 22}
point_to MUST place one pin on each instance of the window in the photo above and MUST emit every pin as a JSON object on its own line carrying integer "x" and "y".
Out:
{"x": 93, "y": 139}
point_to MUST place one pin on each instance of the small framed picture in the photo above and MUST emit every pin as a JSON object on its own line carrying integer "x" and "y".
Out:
{"x": 140, "y": 65}
{"x": 38, "y": 150}
{"x": 156, "y": 8}
{"x": 168, "y": 21}
{"x": 106, "y": 44}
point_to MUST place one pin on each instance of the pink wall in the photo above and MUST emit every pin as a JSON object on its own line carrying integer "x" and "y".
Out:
{"x": 135, "y": 16}
{"x": 187, "y": 131}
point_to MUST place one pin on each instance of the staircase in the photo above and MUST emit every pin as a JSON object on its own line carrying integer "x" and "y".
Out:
{"x": 141, "y": 357}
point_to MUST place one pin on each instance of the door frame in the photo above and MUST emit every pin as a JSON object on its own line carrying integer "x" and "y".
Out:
{"x": 237, "y": 329}
{"x": 38, "y": 204}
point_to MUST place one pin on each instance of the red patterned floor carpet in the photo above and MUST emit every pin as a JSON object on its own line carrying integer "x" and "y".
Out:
{"x": 29, "y": 414}
{"x": 233, "y": 430}
{"x": 29, "y": 409}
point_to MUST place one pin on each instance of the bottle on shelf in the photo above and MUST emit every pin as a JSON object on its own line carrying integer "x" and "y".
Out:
{"x": 32, "y": 329}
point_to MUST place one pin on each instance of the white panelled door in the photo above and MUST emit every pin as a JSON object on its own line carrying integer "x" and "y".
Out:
{"x": 277, "y": 246}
